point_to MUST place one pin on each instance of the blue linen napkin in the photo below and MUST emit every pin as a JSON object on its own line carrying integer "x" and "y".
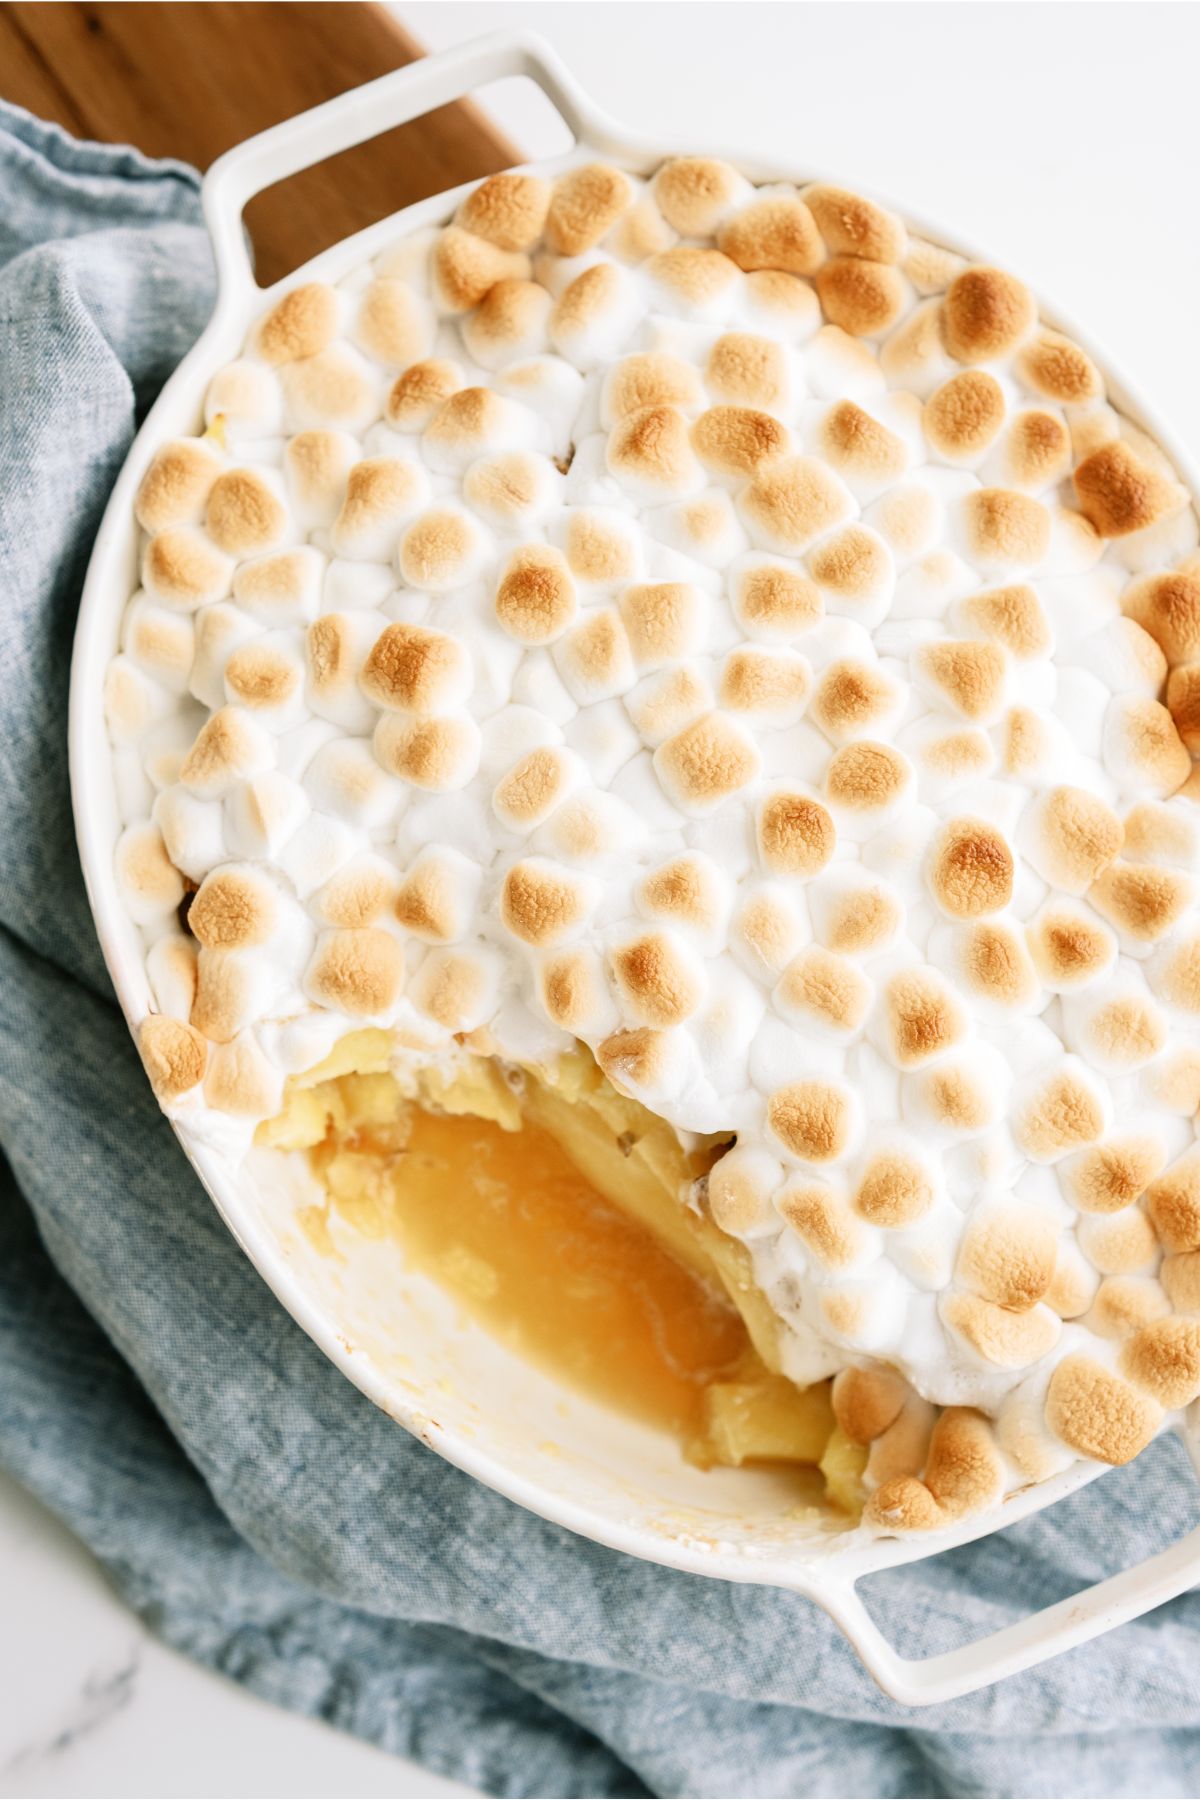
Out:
{"x": 248, "y": 1502}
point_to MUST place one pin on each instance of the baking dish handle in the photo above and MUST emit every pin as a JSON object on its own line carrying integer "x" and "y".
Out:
{"x": 361, "y": 113}
{"x": 929, "y": 1680}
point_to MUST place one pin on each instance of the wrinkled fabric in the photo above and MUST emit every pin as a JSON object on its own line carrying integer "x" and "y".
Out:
{"x": 247, "y": 1501}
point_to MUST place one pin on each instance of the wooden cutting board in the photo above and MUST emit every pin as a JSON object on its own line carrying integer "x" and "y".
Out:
{"x": 190, "y": 80}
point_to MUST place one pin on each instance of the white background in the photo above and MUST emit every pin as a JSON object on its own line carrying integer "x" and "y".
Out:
{"x": 1060, "y": 139}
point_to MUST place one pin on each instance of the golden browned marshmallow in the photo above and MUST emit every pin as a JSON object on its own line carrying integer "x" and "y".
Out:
{"x": 1143, "y": 900}
{"x": 860, "y": 297}
{"x": 851, "y": 698}
{"x": 794, "y": 501}
{"x": 1037, "y": 449}
{"x": 651, "y": 448}
{"x": 1183, "y": 704}
{"x": 856, "y": 444}
{"x": 511, "y": 320}
{"x": 1118, "y": 492}
{"x": 706, "y": 762}
{"x": 930, "y": 268}
{"x": 572, "y": 990}
{"x": 822, "y": 1221}
{"x": 175, "y": 487}
{"x": 532, "y": 788}
{"x": 594, "y": 657}
{"x": 466, "y": 266}
{"x": 430, "y": 902}
{"x": 596, "y": 550}
{"x": 684, "y": 891}
{"x": 866, "y": 777}
{"x": 1061, "y": 1112}
{"x": 972, "y": 676}
{"x": 419, "y": 394}
{"x": 1070, "y": 837}
{"x": 233, "y": 909}
{"x": 1013, "y": 616}
{"x": 777, "y": 600}
{"x": 642, "y": 231}
{"x": 356, "y": 972}
{"x": 963, "y": 1474}
{"x": 854, "y": 226}
{"x": 392, "y": 323}
{"x": 970, "y": 869}
{"x": 1024, "y": 741}
{"x": 1122, "y": 1244}
{"x": 150, "y": 883}
{"x": 535, "y": 601}
{"x": 318, "y": 465}
{"x": 859, "y": 920}
{"x": 583, "y": 305}
{"x": 226, "y": 994}
{"x": 1097, "y": 1414}
{"x": 225, "y": 747}
{"x": 415, "y": 670}
{"x": 775, "y": 683}
{"x": 541, "y": 903}
{"x": 510, "y": 488}
{"x": 852, "y": 563}
{"x": 694, "y": 278}
{"x": 301, "y": 324}
{"x": 775, "y": 232}
{"x": 1175, "y": 977}
{"x": 747, "y": 370}
{"x": 279, "y": 588}
{"x": 1112, "y": 1175}
{"x": 453, "y": 988}
{"x": 1007, "y": 1254}
{"x": 333, "y": 388}
{"x": 985, "y": 314}
{"x": 380, "y": 491}
{"x": 1173, "y": 1204}
{"x": 914, "y": 355}
{"x": 1123, "y": 1304}
{"x": 867, "y": 1401}
{"x": 182, "y": 568}
{"x": 737, "y": 440}
{"x": 923, "y": 1016}
{"x": 585, "y": 204}
{"x": 821, "y": 988}
{"x": 964, "y": 415}
{"x": 894, "y": 1190}
{"x": 796, "y": 835}
{"x": 811, "y": 1119}
{"x": 437, "y": 551}
{"x": 1059, "y": 370}
{"x": 953, "y": 1097}
{"x": 509, "y": 210}
{"x": 695, "y": 192}
{"x": 1180, "y": 1276}
{"x": 175, "y": 1055}
{"x": 244, "y": 513}
{"x": 668, "y": 701}
{"x": 1163, "y": 1359}
{"x": 1168, "y": 607}
{"x": 1142, "y": 746}
{"x": 358, "y": 894}
{"x": 1006, "y": 1339}
{"x": 242, "y": 1080}
{"x": 1006, "y": 527}
{"x": 650, "y": 378}
{"x": 435, "y": 754}
{"x": 638, "y": 1059}
{"x": 663, "y": 620}
{"x": 658, "y": 984}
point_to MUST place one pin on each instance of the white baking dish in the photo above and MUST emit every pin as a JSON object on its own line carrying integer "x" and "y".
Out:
{"x": 390, "y": 1331}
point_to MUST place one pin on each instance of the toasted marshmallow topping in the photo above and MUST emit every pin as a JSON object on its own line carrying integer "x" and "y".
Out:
{"x": 708, "y": 623}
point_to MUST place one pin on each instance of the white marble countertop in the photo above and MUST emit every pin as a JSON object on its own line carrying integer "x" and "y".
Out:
{"x": 1059, "y": 137}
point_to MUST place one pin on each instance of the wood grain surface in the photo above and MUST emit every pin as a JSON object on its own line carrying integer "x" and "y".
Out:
{"x": 190, "y": 80}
